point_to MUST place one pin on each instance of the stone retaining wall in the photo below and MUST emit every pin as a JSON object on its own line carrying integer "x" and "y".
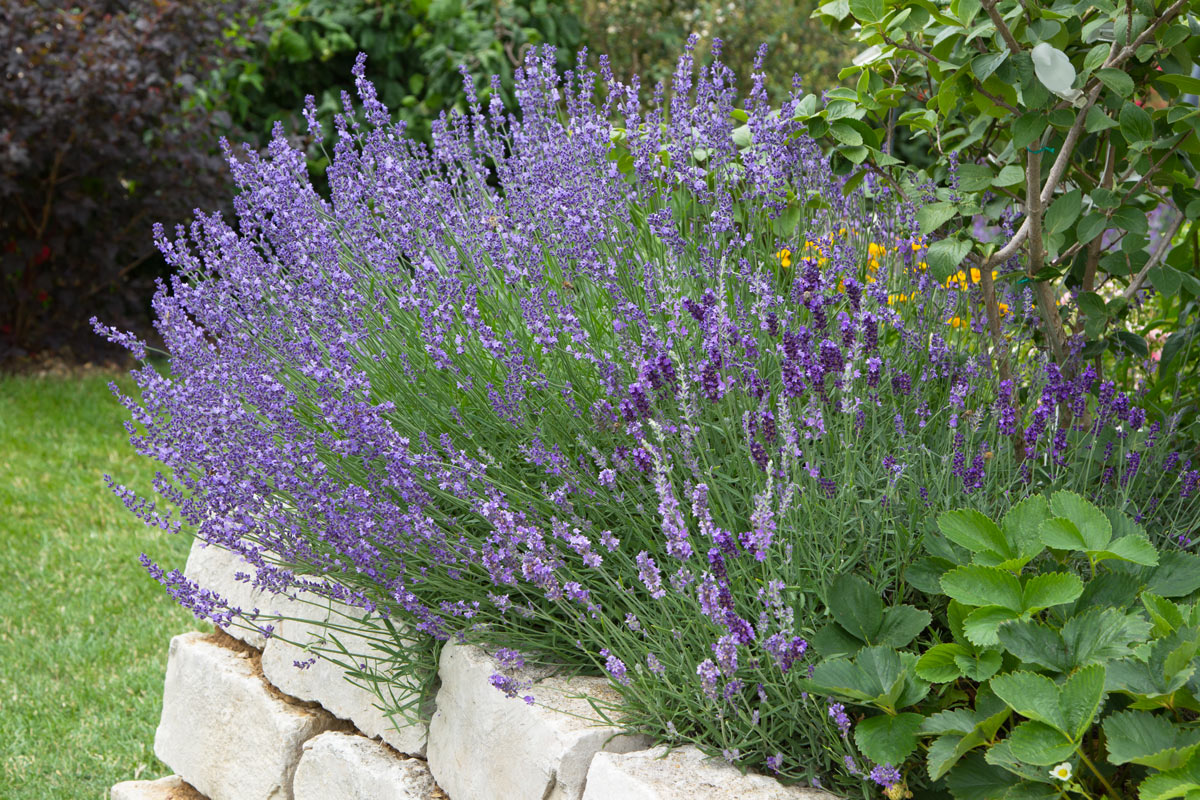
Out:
{"x": 241, "y": 722}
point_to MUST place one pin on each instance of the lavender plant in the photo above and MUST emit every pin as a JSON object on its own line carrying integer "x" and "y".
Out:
{"x": 611, "y": 383}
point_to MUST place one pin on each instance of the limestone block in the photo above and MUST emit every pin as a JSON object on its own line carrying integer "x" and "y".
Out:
{"x": 325, "y": 682}
{"x": 352, "y": 767}
{"x": 171, "y": 787}
{"x": 682, "y": 774}
{"x": 213, "y": 568}
{"x": 224, "y": 729}
{"x": 485, "y": 746}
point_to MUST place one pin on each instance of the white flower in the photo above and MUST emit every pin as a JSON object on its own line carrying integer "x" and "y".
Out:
{"x": 1062, "y": 772}
{"x": 1055, "y": 71}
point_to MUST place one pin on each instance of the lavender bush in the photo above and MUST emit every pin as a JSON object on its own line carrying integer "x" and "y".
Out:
{"x": 607, "y": 383}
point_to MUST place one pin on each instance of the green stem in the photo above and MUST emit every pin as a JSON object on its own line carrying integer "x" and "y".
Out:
{"x": 1108, "y": 789}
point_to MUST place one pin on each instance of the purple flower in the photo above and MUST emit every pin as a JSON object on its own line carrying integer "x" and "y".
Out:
{"x": 615, "y": 667}
{"x": 709, "y": 676}
{"x": 650, "y": 575}
{"x": 837, "y": 712}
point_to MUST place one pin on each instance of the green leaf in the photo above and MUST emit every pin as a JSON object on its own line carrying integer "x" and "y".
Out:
{"x": 938, "y": 663}
{"x": 985, "y": 64}
{"x": 974, "y": 177}
{"x": 845, "y": 134}
{"x": 1028, "y": 127}
{"x": 970, "y": 529}
{"x": 1165, "y": 615}
{"x": 947, "y": 750}
{"x": 1050, "y": 589}
{"x": 1182, "y": 782}
{"x": 1080, "y": 699}
{"x": 867, "y": 10}
{"x": 1036, "y": 644}
{"x": 1009, "y": 176}
{"x": 1135, "y": 549}
{"x": 1186, "y": 84}
{"x": 1022, "y": 526}
{"x": 980, "y": 625}
{"x": 1136, "y": 125}
{"x": 1177, "y": 574}
{"x": 1001, "y": 755}
{"x": 1090, "y": 227}
{"x": 1131, "y": 219}
{"x": 856, "y": 606}
{"x": 1097, "y": 120}
{"x": 1095, "y": 57}
{"x": 933, "y": 216}
{"x": 945, "y": 255}
{"x": 1100, "y": 635}
{"x": 1064, "y": 211}
{"x": 975, "y": 585}
{"x": 842, "y": 677}
{"x": 1093, "y": 525}
{"x": 979, "y": 666}
{"x": 888, "y": 739}
{"x": 958, "y": 720}
{"x": 975, "y": 779}
{"x": 833, "y": 640}
{"x": 1037, "y": 743}
{"x": 1116, "y": 80}
{"x": 1033, "y": 696}
{"x": 1140, "y": 737}
{"x": 901, "y": 624}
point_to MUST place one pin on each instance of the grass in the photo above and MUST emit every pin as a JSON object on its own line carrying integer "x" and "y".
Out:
{"x": 83, "y": 628}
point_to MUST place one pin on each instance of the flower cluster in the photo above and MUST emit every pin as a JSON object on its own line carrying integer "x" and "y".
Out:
{"x": 583, "y": 389}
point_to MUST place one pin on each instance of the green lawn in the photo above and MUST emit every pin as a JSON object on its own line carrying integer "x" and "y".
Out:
{"x": 83, "y": 628}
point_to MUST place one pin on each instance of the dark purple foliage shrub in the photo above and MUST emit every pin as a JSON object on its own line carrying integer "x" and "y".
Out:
{"x": 553, "y": 385}
{"x": 94, "y": 147}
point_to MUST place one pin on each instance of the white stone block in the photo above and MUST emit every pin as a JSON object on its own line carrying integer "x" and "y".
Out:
{"x": 325, "y": 681}
{"x": 214, "y": 568}
{"x": 485, "y": 746}
{"x": 343, "y": 766}
{"x": 171, "y": 787}
{"x": 224, "y": 729}
{"x": 682, "y": 774}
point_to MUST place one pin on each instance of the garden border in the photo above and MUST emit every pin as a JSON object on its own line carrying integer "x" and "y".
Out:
{"x": 241, "y": 722}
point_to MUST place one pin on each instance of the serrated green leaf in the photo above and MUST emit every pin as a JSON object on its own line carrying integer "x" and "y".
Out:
{"x": 970, "y": 529}
{"x": 1182, "y": 782}
{"x": 979, "y": 666}
{"x": 974, "y": 779}
{"x": 958, "y": 720}
{"x": 1177, "y": 574}
{"x": 1080, "y": 699}
{"x": 1091, "y": 522}
{"x": 980, "y": 625}
{"x": 1037, "y": 743}
{"x": 1134, "y": 549}
{"x": 843, "y": 678}
{"x": 1050, "y": 589}
{"x": 1000, "y": 754}
{"x": 1032, "y": 696}
{"x": 937, "y": 664}
{"x": 1035, "y": 643}
{"x": 945, "y": 751}
{"x": 975, "y": 585}
{"x": 888, "y": 739}
{"x": 1022, "y": 528}
{"x": 1100, "y": 635}
{"x": 1152, "y": 740}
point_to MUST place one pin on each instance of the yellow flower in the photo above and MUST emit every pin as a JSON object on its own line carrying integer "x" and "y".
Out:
{"x": 785, "y": 258}
{"x": 1003, "y": 308}
{"x": 1062, "y": 772}
{"x": 896, "y": 298}
{"x": 875, "y": 250}
{"x": 958, "y": 322}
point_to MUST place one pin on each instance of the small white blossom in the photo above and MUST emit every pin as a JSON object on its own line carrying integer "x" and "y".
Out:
{"x": 1062, "y": 772}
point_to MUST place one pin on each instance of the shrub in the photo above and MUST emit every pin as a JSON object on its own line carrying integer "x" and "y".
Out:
{"x": 94, "y": 147}
{"x": 1070, "y": 664}
{"x": 306, "y": 47}
{"x": 626, "y": 397}
{"x": 1078, "y": 116}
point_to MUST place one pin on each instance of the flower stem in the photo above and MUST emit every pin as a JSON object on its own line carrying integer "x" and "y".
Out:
{"x": 1108, "y": 789}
